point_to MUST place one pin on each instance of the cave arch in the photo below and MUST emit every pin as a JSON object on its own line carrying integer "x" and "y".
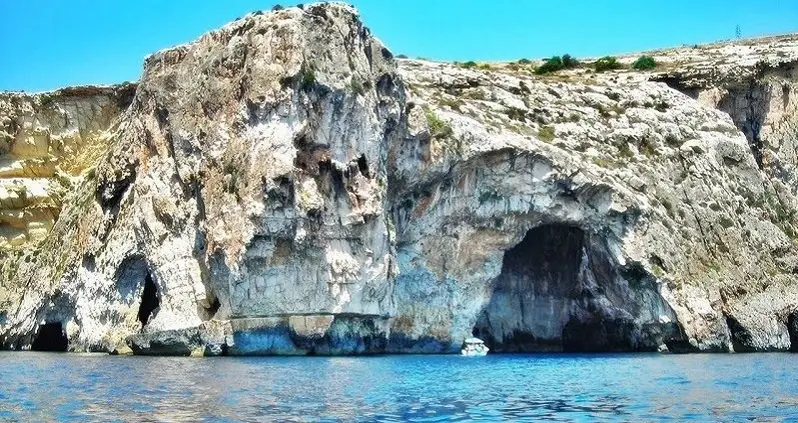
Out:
{"x": 134, "y": 276}
{"x": 561, "y": 290}
{"x": 50, "y": 337}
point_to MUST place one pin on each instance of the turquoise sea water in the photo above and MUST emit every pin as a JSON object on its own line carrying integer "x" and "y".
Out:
{"x": 563, "y": 387}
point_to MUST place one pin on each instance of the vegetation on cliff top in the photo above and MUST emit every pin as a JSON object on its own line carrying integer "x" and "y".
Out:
{"x": 644, "y": 63}
{"x": 606, "y": 63}
{"x": 557, "y": 63}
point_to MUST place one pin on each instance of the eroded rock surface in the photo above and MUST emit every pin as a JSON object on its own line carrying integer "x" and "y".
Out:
{"x": 283, "y": 185}
{"x": 46, "y": 142}
{"x": 756, "y": 83}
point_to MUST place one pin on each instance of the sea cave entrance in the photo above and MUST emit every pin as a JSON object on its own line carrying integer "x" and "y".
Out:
{"x": 149, "y": 301}
{"x": 50, "y": 337}
{"x": 557, "y": 292}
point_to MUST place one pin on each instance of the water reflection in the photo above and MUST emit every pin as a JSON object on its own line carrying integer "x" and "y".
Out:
{"x": 566, "y": 388}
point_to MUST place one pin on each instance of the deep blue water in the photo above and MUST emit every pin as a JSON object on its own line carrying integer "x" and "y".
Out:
{"x": 567, "y": 388}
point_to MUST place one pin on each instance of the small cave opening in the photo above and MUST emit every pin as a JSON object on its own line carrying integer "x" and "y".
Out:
{"x": 329, "y": 172}
{"x": 149, "y": 301}
{"x": 363, "y": 165}
{"x": 208, "y": 310}
{"x": 51, "y": 337}
{"x": 559, "y": 289}
{"x": 741, "y": 338}
{"x": 792, "y": 330}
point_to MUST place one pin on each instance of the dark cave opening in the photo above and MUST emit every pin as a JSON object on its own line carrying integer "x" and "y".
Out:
{"x": 531, "y": 294}
{"x": 328, "y": 171}
{"x": 149, "y": 301}
{"x": 792, "y": 330}
{"x": 560, "y": 290}
{"x": 50, "y": 337}
{"x": 363, "y": 165}
{"x": 741, "y": 338}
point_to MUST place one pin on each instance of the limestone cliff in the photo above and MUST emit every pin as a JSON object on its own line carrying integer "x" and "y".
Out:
{"x": 45, "y": 141}
{"x": 284, "y": 185}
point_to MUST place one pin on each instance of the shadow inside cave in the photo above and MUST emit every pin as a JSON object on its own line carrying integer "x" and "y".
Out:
{"x": 149, "y": 301}
{"x": 560, "y": 290}
{"x": 134, "y": 274}
{"x": 50, "y": 337}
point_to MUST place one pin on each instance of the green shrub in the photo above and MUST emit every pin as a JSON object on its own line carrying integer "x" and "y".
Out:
{"x": 453, "y": 103}
{"x": 569, "y": 62}
{"x": 47, "y": 100}
{"x": 401, "y": 56}
{"x": 647, "y": 148}
{"x": 726, "y": 222}
{"x": 625, "y": 150}
{"x": 551, "y": 65}
{"x": 468, "y": 65}
{"x": 437, "y": 127}
{"x": 557, "y": 63}
{"x": 606, "y": 63}
{"x": 673, "y": 141}
{"x": 524, "y": 62}
{"x": 307, "y": 77}
{"x": 644, "y": 63}
{"x": 516, "y": 114}
{"x": 546, "y": 133}
{"x": 601, "y": 162}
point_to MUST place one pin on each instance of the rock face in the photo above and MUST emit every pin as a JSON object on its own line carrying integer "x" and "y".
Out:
{"x": 283, "y": 185}
{"x": 45, "y": 141}
{"x": 755, "y": 82}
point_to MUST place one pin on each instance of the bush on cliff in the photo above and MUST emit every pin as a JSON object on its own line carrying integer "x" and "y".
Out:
{"x": 557, "y": 63}
{"x": 569, "y": 62}
{"x": 307, "y": 77}
{"x": 644, "y": 63}
{"x": 552, "y": 65}
{"x": 437, "y": 128}
{"x": 606, "y": 63}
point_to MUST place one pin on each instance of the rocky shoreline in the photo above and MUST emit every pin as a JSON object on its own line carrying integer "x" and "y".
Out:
{"x": 284, "y": 185}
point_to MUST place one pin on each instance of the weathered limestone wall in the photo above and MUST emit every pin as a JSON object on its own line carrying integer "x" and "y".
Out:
{"x": 756, "y": 83}
{"x": 46, "y": 141}
{"x": 248, "y": 180}
{"x": 670, "y": 187}
{"x": 283, "y": 185}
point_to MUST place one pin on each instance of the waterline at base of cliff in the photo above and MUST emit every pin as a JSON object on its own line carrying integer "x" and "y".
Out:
{"x": 285, "y": 185}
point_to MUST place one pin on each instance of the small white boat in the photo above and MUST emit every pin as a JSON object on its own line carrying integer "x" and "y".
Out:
{"x": 474, "y": 347}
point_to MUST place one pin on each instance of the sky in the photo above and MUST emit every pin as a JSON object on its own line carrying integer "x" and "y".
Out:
{"x": 48, "y": 44}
